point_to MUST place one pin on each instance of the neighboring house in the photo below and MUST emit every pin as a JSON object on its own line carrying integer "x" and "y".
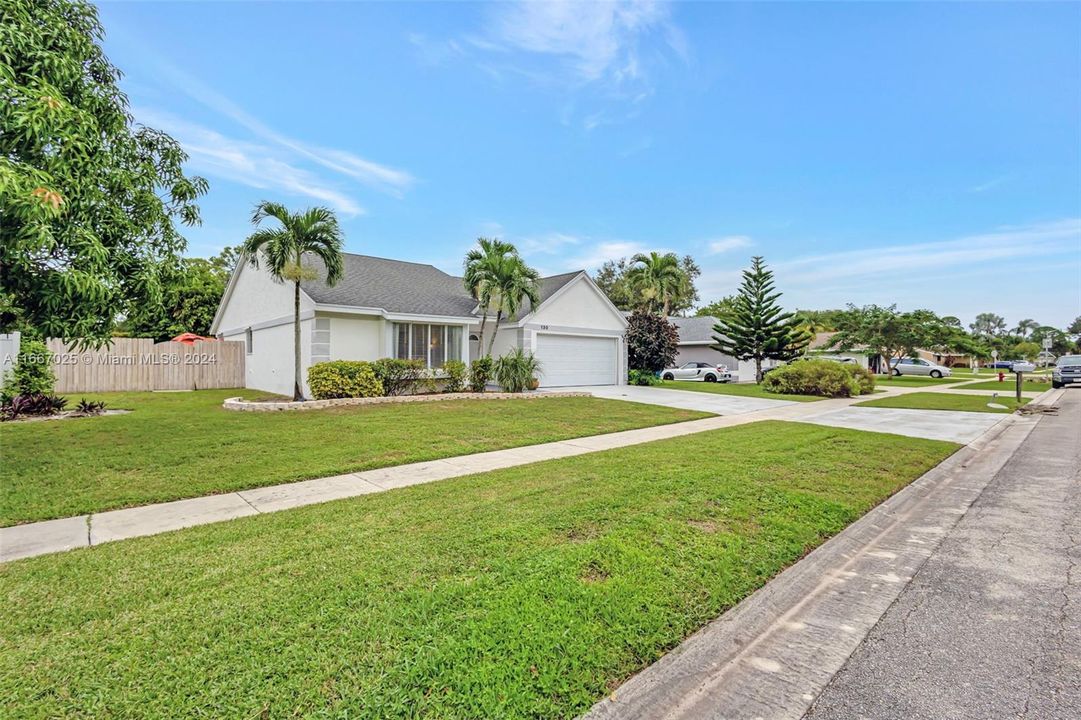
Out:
{"x": 390, "y": 308}
{"x": 945, "y": 359}
{"x": 822, "y": 346}
{"x": 695, "y": 341}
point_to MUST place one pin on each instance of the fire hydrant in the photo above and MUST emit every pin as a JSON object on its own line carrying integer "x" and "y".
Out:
{"x": 1001, "y": 376}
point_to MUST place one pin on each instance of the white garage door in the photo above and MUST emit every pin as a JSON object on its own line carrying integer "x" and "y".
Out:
{"x": 576, "y": 360}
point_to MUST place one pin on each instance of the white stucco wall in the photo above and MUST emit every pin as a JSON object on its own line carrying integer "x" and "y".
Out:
{"x": 357, "y": 337}
{"x": 579, "y": 305}
{"x": 256, "y": 298}
{"x": 269, "y": 367}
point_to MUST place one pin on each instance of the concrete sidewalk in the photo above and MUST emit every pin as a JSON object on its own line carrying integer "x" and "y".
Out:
{"x": 771, "y": 655}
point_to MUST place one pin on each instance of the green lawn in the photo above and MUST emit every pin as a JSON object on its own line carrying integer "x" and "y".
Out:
{"x": 945, "y": 401}
{"x": 526, "y": 592}
{"x": 1009, "y": 385}
{"x": 913, "y": 380}
{"x": 743, "y": 390}
{"x": 177, "y": 445}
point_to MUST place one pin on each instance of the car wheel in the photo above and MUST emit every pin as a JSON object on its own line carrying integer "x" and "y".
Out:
{"x": 936, "y": 374}
{"x": 667, "y": 376}
{"x": 711, "y": 378}
{"x": 1056, "y": 385}
{"x": 896, "y": 372}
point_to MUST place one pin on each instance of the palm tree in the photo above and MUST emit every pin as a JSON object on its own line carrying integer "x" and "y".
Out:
{"x": 481, "y": 277}
{"x": 515, "y": 282}
{"x": 314, "y": 231}
{"x": 657, "y": 278}
{"x": 1025, "y": 327}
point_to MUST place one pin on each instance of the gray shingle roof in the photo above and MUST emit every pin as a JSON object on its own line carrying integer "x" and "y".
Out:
{"x": 694, "y": 329}
{"x": 405, "y": 287}
{"x": 393, "y": 285}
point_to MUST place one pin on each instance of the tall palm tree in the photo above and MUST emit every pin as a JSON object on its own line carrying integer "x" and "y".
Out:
{"x": 482, "y": 270}
{"x": 516, "y": 282}
{"x": 657, "y": 278}
{"x": 314, "y": 231}
{"x": 1025, "y": 327}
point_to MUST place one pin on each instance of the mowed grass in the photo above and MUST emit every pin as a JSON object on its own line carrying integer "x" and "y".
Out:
{"x": 946, "y": 401}
{"x": 530, "y": 592}
{"x": 742, "y": 390}
{"x": 180, "y": 445}
{"x": 1010, "y": 384}
{"x": 912, "y": 380}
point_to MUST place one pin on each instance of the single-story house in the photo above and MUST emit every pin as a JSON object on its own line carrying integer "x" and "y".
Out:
{"x": 390, "y": 308}
{"x": 823, "y": 346}
{"x": 695, "y": 341}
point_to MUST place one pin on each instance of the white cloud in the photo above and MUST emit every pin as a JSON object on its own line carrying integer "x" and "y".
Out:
{"x": 375, "y": 175}
{"x": 547, "y": 244}
{"x": 596, "y": 39}
{"x": 873, "y": 264}
{"x": 596, "y": 255}
{"x": 988, "y": 185}
{"x": 727, "y": 243}
{"x": 252, "y": 164}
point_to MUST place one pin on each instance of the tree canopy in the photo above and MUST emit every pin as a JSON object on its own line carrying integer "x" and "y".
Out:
{"x": 758, "y": 328}
{"x": 652, "y": 342}
{"x": 628, "y": 290}
{"x": 89, "y": 200}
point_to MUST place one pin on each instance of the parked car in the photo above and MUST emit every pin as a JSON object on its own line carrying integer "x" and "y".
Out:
{"x": 1067, "y": 370}
{"x": 1002, "y": 365}
{"x": 698, "y": 371}
{"x": 919, "y": 366}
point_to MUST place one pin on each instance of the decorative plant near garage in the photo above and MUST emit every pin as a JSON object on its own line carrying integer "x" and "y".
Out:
{"x": 517, "y": 371}
{"x": 652, "y": 342}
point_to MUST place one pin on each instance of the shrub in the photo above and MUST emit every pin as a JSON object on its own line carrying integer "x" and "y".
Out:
{"x": 819, "y": 377}
{"x": 652, "y": 342}
{"x": 480, "y": 372}
{"x": 32, "y": 373}
{"x": 32, "y": 404}
{"x": 343, "y": 379}
{"x": 90, "y": 407}
{"x": 399, "y": 377}
{"x": 516, "y": 370}
{"x": 642, "y": 377}
{"x": 455, "y": 376}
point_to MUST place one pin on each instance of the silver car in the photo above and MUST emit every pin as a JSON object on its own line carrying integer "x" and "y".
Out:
{"x": 1067, "y": 370}
{"x": 919, "y": 366}
{"x": 698, "y": 371}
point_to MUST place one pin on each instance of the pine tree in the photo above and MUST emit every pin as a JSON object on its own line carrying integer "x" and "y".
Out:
{"x": 758, "y": 328}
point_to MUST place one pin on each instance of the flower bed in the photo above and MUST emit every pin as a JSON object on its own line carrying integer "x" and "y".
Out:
{"x": 237, "y": 403}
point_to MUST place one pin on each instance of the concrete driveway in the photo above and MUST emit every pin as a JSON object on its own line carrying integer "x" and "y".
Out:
{"x": 954, "y": 426}
{"x": 684, "y": 399}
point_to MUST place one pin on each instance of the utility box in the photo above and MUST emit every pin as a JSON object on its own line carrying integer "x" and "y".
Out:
{"x": 1019, "y": 367}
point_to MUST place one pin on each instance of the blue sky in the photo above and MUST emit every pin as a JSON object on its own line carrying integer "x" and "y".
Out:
{"x": 927, "y": 154}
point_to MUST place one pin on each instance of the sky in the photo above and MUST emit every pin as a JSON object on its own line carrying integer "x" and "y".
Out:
{"x": 923, "y": 154}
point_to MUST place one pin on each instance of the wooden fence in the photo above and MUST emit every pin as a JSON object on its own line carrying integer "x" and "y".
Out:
{"x": 142, "y": 364}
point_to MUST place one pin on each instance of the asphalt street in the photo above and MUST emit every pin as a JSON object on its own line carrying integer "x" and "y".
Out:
{"x": 990, "y": 626}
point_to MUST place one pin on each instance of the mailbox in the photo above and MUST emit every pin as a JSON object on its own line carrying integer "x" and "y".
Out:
{"x": 1019, "y": 367}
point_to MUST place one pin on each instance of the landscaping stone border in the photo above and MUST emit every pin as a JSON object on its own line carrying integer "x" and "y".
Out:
{"x": 239, "y": 404}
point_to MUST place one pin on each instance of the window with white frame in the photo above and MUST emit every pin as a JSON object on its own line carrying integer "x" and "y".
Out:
{"x": 431, "y": 344}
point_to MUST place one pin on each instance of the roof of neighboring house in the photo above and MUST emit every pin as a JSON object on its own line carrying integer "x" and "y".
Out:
{"x": 824, "y": 341}
{"x": 694, "y": 329}
{"x": 191, "y": 338}
{"x": 406, "y": 287}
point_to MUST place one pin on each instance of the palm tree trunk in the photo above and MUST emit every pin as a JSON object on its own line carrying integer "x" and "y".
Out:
{"x": 483, "y": 321}
{"x": 298, "y": 392}
{"x": 498, "y": 317}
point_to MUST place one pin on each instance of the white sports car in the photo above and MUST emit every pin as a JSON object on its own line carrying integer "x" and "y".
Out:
{"x": 698, "y": 371}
